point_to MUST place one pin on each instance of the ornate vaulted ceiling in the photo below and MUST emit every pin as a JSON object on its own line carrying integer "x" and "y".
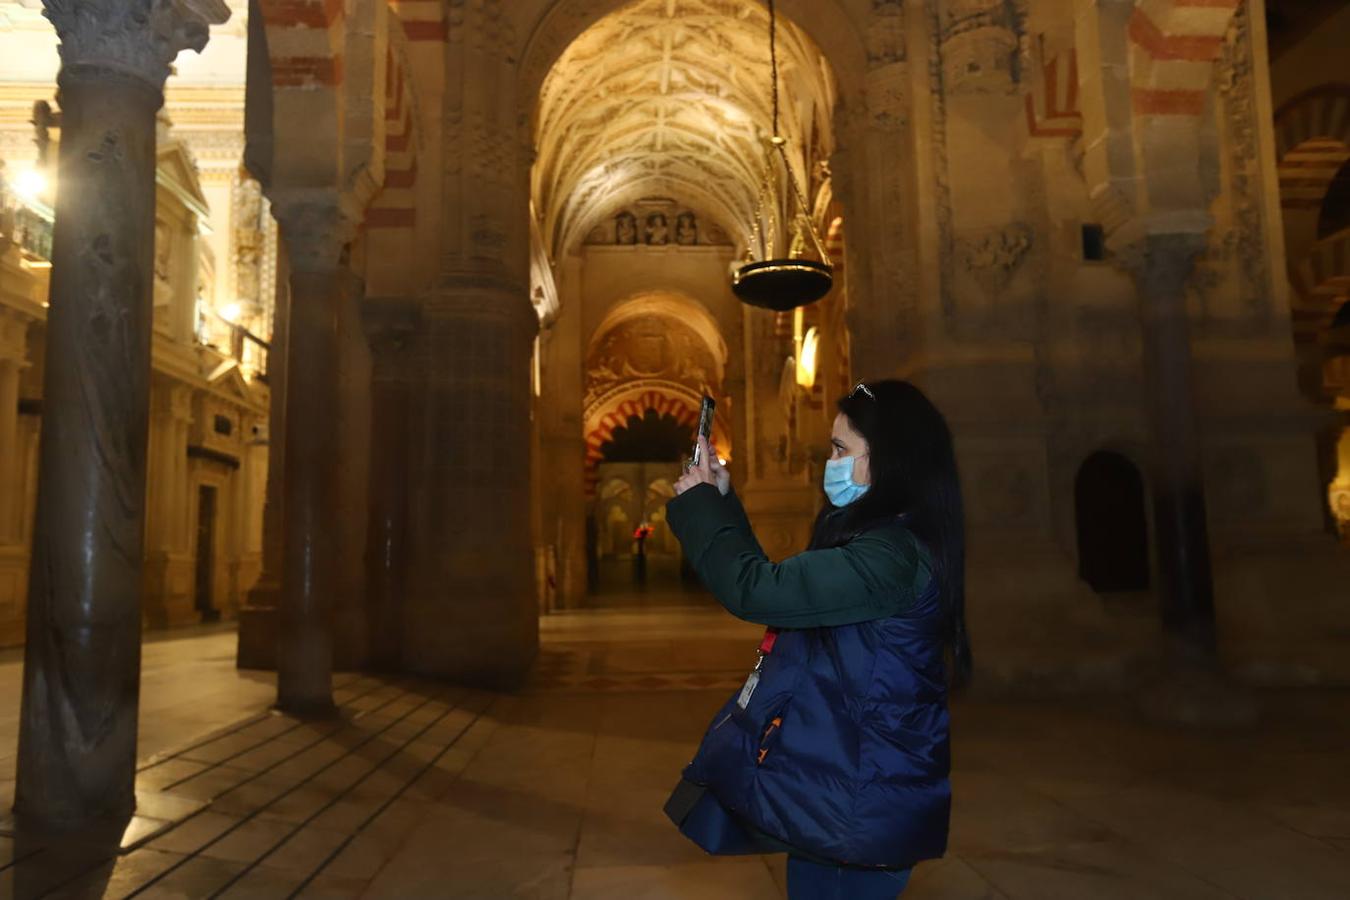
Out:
{"x": 671, "y": 98}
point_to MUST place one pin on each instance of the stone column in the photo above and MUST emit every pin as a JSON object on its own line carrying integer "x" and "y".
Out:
{"x": 1162, "y": 265}
{"x": 316, "y": 230}
{"x": 471, "y": 614}
{"x": 391, "y": 327}
{"x": 77, "y": 732}
{"x": 258, "y": 618}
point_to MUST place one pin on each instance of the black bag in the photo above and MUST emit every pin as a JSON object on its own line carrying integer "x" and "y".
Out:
{"x": 702, "y": 819}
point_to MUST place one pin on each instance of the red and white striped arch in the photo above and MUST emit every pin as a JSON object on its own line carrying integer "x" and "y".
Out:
{"x": 1173, "y": 45}
{"x": 1322, "y": 282}
{"x": 396, "y": 204}
{"x": 1052, "y": 103}
{"x": 1312, "y": 142}
{"x": 305, "y": 40}
{"x": 614, "y": 411}
{"x": 834, "y": 243}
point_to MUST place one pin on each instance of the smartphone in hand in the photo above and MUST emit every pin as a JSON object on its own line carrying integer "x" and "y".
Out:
{"x": 705, "y": 423}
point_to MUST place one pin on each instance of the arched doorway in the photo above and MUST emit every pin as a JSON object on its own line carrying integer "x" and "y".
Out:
{"x": 1112, "y": 524}
{"x": 1313, "y": 144}
{"x": 638, "y": 561}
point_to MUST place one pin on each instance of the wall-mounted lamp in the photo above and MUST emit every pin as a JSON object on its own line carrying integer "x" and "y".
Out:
{"x": 806, "y": 359}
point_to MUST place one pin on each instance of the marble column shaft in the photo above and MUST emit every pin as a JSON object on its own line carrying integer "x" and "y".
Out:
{"x": 77, "y": 743}
{"x": 1185, "y": 579}
{"x": 81, "y": 681}
{"x": 305, "y": 657}
{"x": 258, "y": 628}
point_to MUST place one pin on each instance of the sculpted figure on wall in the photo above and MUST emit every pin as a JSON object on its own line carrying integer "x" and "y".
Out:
{"x": 163, "y": 262}
{"x": 248, "y": 240}
{"x": 625, "y": 228}
{"x": 686, "y": 229}
{"x": 658, "y": 230}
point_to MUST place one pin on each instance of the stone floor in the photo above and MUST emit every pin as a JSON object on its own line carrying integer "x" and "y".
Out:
{"x": 425, "y": 790}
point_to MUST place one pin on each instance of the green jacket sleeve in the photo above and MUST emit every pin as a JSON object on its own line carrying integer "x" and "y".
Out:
{"x": 879, "y": 573}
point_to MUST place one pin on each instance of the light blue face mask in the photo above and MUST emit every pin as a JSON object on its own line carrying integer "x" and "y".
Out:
{"x": 839, "y": 484}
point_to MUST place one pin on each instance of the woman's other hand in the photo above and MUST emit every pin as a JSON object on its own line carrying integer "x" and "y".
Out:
{"x": 709, "y": 471}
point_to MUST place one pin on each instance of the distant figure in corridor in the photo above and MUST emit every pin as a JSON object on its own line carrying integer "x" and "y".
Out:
{"x": 836, "y": 751}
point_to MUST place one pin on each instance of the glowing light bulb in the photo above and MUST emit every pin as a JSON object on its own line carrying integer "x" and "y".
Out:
{"x": 806, "y": 360}
{"x": 230, "y": 312}
{"x": 30, "y": 184}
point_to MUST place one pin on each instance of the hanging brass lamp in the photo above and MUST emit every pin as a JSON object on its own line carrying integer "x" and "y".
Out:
{"x": 783, "y": 283}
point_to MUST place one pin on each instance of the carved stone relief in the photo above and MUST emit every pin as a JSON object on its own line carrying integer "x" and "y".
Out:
{"x": 247, "y": 241}
{"x": 979, "y": 46}
{"x": 631, "y": 227}
{"x": 165, "y": 238}
{"x": 993, "y": 257}
{"x": 886, "y": 36}
{"x": 1243, "y": 244}
{"x": 649, "y": 348}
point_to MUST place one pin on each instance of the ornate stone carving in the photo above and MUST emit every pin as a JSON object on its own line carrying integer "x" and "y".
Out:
{"x": 888, "y": 96}
{"x": 641, "y": 102}
{"x": 886, "y": 36}
{"x": 248, "y": 240}
{"x": 140, "y": 38}
{"x": 993, "y": 257}
{"x": 316, "y": 228}
{"x": 649, "y": 348}
{"x": 1244, "y": 244}
{"x": 979, "y": 45}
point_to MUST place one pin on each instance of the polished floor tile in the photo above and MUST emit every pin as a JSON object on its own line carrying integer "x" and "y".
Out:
{"x": 425, "y": 790}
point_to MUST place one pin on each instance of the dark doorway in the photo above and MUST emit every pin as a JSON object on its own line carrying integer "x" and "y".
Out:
{"x": 206, "y": 553}
{"x": 652, "y": 438}
{"x": 1112, "y": 524}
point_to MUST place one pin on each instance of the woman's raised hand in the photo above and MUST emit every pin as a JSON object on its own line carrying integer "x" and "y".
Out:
{"x": 708, "y": 471}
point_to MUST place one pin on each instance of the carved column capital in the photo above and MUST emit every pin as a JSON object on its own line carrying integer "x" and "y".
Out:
{"x": 1161, "y": 255}
{"x": 139, "y": 38}
{"x": 392, "y": 326}
{"x": 317, "y": 226}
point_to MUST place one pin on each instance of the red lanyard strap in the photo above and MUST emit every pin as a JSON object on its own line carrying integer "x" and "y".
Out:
{"x": 770, "y": 638}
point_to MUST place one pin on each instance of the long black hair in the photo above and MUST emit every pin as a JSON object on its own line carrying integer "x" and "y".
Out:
{"x": 913, "y": 474}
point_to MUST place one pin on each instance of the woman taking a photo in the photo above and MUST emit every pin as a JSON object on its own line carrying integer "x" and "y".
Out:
{"x": 836, "y": 749}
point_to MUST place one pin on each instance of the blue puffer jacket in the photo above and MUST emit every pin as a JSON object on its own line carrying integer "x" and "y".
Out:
{"x": 843, "y": 750}
{"x": 855, "y": 770}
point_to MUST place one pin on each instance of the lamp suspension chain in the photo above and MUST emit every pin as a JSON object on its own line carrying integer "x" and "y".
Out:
{"x": 782, "y": 283}
{"x": 773, "y": 60}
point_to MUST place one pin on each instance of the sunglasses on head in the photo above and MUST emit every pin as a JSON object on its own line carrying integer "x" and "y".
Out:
{"x": 864, "y": 390}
